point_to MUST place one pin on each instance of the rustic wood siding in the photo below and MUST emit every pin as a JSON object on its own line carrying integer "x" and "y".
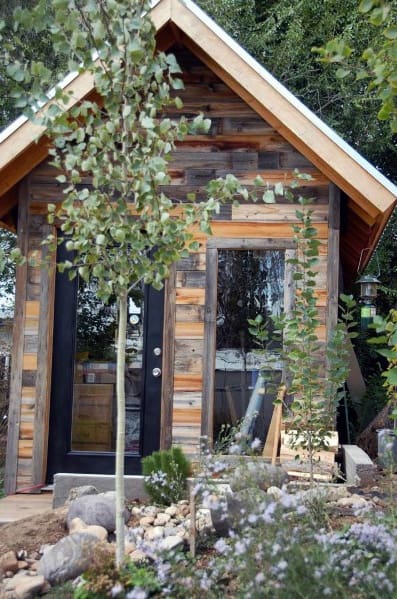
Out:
{"x": 240, "y": 142}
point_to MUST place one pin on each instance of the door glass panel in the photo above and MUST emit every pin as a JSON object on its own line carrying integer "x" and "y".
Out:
{"x": 94, "y": 388}
{"x": 250, "y": 282}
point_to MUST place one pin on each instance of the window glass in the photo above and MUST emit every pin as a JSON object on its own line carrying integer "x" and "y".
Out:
{"x": 94, "y": 389}
{"x": 250, "y": 282}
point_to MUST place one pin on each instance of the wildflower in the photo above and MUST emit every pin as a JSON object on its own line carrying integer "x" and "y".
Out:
{"x": 256, "y": 444}
{"x": 116, "y": 590}
{"x": 221, "y": 546}
{"x": 137, "y": 593}
{"x": 260, "y": 577}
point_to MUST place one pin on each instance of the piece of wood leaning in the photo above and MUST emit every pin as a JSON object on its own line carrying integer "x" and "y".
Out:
{"x": 273, "y": 436}
{"x": 44, "y": 361}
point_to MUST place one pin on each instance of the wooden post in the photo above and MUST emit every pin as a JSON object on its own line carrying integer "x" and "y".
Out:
{"x": 14, "y": 415}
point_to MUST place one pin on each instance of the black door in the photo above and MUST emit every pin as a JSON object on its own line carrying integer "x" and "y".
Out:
{"x": 83, "y": 395}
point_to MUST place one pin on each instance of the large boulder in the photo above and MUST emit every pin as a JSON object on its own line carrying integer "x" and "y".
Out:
{"x": 99, "y": 510}
{"x": 67, "y": 559}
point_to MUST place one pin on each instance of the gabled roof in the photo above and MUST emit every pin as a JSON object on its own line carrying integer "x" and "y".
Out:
{"x": 371, "y": 195}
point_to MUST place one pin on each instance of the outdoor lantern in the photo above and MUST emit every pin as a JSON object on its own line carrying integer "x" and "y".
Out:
{"x": 368, "y": 292}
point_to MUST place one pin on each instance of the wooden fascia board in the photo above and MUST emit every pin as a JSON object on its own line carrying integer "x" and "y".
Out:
{"x": 318, "y": 147}
{"x": 26, "y": 147}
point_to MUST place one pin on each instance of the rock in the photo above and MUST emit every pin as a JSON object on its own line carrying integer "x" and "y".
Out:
{"x": 22, "y": 565}
{"x": 77, "y": 492}
{"x": 162, "y": 519}
{"x": 156, "y": 532}
{"x": 138, "y": 556}
{"x": 274, "y": 492}
{"x": 258, "y": 475}
{"x": 8, "y": 562}
{"x": 77, "y": 525}
{"x": 171, "y": 510}
{"x": 24, "y": 586}
{"x": 170, "y": 543}
{"x": 129, "y": 548}
{"x": 96, "y": 509}
{"x": 146, "y": 521}
{"x": 354, "y": 502}
{"x": 203, "y": 519}
{"x": 68, "y": 558}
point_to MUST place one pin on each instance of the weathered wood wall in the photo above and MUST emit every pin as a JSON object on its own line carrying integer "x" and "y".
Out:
{"x": 239, "y": 142}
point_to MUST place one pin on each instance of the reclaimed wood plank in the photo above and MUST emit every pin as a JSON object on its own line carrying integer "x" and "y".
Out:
{"x": 186, "y": 416}
{"x": 190, "y": 278}
{"x": 189, "y": 330}
{"x": 254, "y": 230}
{"x": 10, "y": 480}
{"x": 167, "y": 386}
{"x": 186, "y": 295}
{"x": 333, "y": 259}
{"x": 276, "y": 212}
{"x": 44, "y": 364}
{"x": 187, "y": 382}
{"x": 189, "y": 313}
{"x": 207, "y": 423}
{"x": 29, "y": 361}
{"x": 188, "y": 356}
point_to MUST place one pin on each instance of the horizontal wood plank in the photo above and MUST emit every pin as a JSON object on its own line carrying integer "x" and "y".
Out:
{"x": 185, "y": 295}
{"x": 189, "y": 330}
{"x": 276, "y": 212}
{"x": 188, "y": 382}
{"x": 29, "y": 362}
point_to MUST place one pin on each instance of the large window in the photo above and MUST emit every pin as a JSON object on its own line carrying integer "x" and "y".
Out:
{"x": 241, "y": 284}
{"x": 94, "y": 389}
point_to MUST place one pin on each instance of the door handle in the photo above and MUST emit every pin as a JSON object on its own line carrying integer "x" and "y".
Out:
{"x": 156, "y": 372}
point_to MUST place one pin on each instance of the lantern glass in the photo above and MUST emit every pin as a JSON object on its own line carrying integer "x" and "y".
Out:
{"x": 368, "y": 289}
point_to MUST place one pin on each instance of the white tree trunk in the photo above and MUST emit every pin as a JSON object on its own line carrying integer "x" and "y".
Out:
{"x": 120, "y": 438}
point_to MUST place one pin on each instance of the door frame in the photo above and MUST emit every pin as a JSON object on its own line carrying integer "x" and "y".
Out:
{"x": 60, "y": 456}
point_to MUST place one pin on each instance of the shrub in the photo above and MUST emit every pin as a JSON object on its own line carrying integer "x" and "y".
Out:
{"x": 166, "y": 475}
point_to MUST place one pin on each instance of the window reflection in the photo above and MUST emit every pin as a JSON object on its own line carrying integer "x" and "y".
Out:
{"x": 250, "y": 282}
{"x": 94, "y": 398}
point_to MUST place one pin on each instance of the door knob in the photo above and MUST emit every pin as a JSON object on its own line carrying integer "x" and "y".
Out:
{"x": 157, "y": 351}
{"x": 156, "y": 372}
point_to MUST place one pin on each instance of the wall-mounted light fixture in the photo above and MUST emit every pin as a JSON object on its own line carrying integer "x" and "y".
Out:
{"x": 368, "y": 292}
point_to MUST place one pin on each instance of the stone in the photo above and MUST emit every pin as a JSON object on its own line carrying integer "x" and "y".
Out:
{"x": 146, "y": 521}
{"x": 274, "y": 492}
{"x": 129, "y": 548}
{"x": 24, "y": 586}
{"x": 77, "y": 492}
{"x": 96, "y": 509}
{"x": 257, "y": 474}
{"x": 203, "y": 519}
{"x": 68, "y": 558}
{"x": 162, "y": 519}
{"x": 78, "y": 525}
{"x": 170, "y": 543}
{"x": 354, "y": 502}
{"x": 156, "y": 532}
{"x": 8, "y": 562}
{"x": 171, "y": 510}
{"x": 138, "y": 556}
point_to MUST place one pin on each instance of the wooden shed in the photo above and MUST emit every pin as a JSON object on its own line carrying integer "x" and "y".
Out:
{"x": 192, "y": 366}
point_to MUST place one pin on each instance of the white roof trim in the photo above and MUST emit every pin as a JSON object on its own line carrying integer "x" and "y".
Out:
{"x": 296, "y": 103}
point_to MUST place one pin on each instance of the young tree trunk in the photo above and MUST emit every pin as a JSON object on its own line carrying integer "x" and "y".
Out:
{"x": 120, "y": 439}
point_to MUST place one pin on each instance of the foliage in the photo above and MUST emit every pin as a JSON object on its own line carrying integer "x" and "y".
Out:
{"x": 27, "y": 42}
{"x": 388, "y": 329}
{"x": 282, "y": 545}
{"x": 316, "y": 394}
{"x": 105, "y": 580}
{"x": 165, "y": 475}
{"x": 7, "y": 270}
{"x": 280, "y": 35}
{"x": 378, "y": 61}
